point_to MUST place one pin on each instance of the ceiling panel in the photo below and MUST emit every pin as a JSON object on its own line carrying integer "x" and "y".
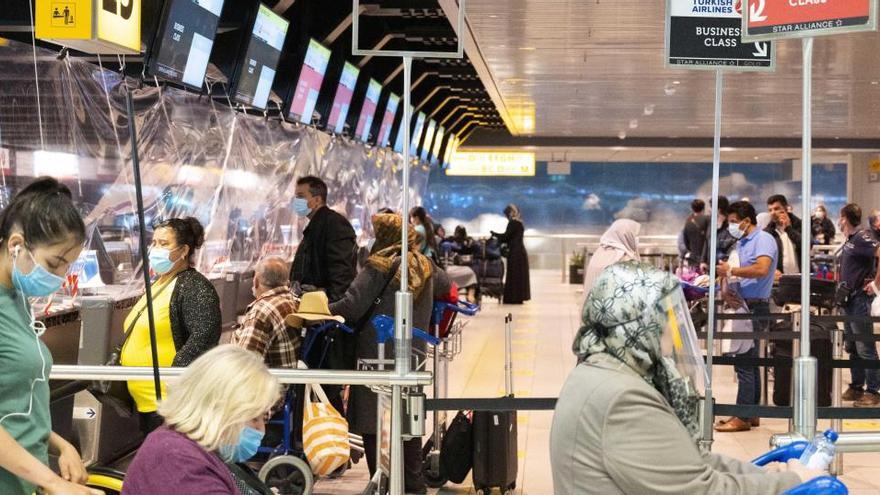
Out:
{"x": 596, "y": 68}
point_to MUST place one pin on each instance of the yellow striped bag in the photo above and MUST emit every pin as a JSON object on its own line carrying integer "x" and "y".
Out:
{"x": 325, "y": 433}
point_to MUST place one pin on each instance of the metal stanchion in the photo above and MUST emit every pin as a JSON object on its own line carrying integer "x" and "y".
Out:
{"x": 836, "y": 467}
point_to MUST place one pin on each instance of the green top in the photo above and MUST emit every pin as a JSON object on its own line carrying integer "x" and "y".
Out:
{"x": 25, "y": 363}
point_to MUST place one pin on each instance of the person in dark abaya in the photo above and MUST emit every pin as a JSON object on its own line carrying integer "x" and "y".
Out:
{"x": 516, "y": 283}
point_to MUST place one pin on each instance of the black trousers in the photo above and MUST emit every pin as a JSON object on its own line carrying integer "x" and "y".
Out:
{"x": 412, "y": 462}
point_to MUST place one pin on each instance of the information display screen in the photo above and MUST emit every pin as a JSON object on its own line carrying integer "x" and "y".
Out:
{"x": 398, "y": 142}
{"x": 429, "y": 141}
{"x": 305, "y": 96}
{"x": 342, "y": 100}
{"x": 257, "y": 70}
{"x": 417, "y": 134}
{"x": 184, "y": 41}
{"x": 451, "y": 148}
{"x": 368, "y": 111}
{"x": 388, "y": 120}
{"x": 438, "y": 141}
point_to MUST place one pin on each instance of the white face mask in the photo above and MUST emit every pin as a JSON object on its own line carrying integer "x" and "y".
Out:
{"x": 820, "y": 214}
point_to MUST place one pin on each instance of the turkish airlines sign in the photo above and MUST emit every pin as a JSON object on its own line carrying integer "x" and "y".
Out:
{"x": 774, "y": 19}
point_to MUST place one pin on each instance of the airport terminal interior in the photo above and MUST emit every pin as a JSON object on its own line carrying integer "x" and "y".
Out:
{"x": 589, "y": 194}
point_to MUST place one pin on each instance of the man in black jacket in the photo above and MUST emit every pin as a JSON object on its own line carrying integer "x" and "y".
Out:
{"x": 325, "y": 259}
{"x": 786, "y": 228}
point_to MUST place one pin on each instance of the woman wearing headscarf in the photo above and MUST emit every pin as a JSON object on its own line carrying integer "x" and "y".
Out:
{"x": 382, "y": 271}
{"x": 517, "y": 288}
{"x": 619, "y": 243}
{"x": 627, "y": 417}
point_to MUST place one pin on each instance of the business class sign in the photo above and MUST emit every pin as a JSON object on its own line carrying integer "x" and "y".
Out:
{"x": 775, "y": 19}
{"x": 91, "y": 26}
{"x": 492, "y": 163}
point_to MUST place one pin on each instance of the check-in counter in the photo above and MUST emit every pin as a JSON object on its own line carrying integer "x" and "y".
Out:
{"x": 227, "y": 290}
{"x": 62, "y": 339}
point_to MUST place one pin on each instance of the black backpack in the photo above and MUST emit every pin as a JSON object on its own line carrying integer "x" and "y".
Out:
{"x": 457, "y": 449}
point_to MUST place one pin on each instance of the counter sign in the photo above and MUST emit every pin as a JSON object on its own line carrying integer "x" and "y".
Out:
{"x": 774, "y": 19}
{"x": 707, "y": 34}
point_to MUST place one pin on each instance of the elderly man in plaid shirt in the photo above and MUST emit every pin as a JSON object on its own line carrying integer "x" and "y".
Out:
{"x": 263, "y": 330}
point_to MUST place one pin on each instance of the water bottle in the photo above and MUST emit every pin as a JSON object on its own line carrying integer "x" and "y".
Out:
{"x": 820, "y": 453}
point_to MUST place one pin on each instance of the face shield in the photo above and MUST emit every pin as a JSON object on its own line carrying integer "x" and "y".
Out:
{"x": 679, "y": 344}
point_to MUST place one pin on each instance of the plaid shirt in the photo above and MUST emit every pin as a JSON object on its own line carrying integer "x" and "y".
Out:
{"x": 264, "y": 332}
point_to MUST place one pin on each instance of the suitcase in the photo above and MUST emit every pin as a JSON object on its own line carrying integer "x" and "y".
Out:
{"x": 820, "y": 348}
{"x": 495, "y": 437}
{"x": 789, "y": 291}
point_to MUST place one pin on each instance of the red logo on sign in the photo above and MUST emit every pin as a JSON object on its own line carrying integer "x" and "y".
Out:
{"x": 738, "y": 6}
{"x": 764, "y": 13}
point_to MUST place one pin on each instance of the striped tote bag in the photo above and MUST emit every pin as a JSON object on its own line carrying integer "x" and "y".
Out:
{"x": 325, "y": 433}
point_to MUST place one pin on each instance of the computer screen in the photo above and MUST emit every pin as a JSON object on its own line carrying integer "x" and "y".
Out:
{"x": 257, "y": 70}
{"x": 438, "y": 140}
{"x": 368, "y": 110}
{"x": 388, "y": 120}
{"x": 417, "y": 134}
{"x": 184, "y": 41}
{"x": 342, "y": 100}
{"x": 305, "y": 95}
{"x": 429, "y": 141}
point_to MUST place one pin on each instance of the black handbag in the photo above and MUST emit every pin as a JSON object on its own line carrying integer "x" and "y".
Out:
{"x": 116, "y": 392}
{"x": 457, "y": 449}
{"x": 842, "y": 295}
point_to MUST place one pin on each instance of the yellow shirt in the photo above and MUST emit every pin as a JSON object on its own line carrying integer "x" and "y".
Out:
{"x": 137, "y": 352}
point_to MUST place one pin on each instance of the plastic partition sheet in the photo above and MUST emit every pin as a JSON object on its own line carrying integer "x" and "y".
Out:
{"x": 199, "y": 157}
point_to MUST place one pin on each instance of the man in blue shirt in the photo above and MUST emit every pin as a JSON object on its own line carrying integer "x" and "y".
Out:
{"x": 758, "y": 257}
{"x": 856, "y": 269}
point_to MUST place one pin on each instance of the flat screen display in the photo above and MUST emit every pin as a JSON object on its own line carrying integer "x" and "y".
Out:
{"x": 438, "y": 140}
{"x": 305, "y": 96}
{"x": 388, "y": 120}
{"x": 398, "y": 142}
{"x": 429, "y": 141}
{"x": 451, "y": 146}
{"x": 342, "y": 100}
{"x": 417, "y": 134}
{"x": 368, "y": 111}
{"x": 257, "y": 69}
{"x": 185, "y": 40}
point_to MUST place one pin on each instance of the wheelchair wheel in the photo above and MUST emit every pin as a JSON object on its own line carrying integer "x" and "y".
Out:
{"x": 288, "y": 474}
{"x": 106, "y": 480}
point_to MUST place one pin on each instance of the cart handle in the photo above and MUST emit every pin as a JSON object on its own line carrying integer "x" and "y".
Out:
{"x": 385, "y": 331}
{"x": 824, "y": 485}
{"x": 791, "y": 451}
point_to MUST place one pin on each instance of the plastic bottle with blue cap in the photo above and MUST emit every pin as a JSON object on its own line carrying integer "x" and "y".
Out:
{"x": 820, "y": 452}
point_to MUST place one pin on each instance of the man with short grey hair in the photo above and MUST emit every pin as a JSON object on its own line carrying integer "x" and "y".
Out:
{"x": 263, "y": 329}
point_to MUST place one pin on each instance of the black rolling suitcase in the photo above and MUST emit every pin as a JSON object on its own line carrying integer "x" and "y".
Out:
{"x": 820, "y": 348}
{"x": 495, "y": 437}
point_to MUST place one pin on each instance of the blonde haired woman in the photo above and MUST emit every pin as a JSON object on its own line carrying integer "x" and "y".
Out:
{"x": 214, "y": 413}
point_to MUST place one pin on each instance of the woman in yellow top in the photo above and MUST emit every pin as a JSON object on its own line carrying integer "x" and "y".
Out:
{"x": 186, "y": 309}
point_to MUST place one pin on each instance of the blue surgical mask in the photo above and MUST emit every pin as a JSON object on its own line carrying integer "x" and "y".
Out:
{"x": 301, "y": 206}
{"x": 160, "y": 260}
{"x": 38, "y": 283}
{"x": 249, "y": 441}
{"x": 734, "y": 230}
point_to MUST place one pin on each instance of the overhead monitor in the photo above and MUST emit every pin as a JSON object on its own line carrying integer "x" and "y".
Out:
{"x": 438, "y": 140}
{"x": 428, "y": 141}
{"x": 342, "y": 100}
{"x": 368, "y": 110}
{"x": 451, "y": 148}
{"x": 308, "y": 87}
{"x": 388, "y": 120}
{"x": 256, "y": 71}
{"x": 184, "y": 41}
{"x": 398, "y": 142}
{"x": 417, "y": 134}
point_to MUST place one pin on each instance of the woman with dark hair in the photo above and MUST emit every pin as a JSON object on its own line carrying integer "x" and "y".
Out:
{"x": 41, "y": 234}
{"x": 517, "y": 288}
{"x": 186, "y": 309}
{"x": 425, "y": 229}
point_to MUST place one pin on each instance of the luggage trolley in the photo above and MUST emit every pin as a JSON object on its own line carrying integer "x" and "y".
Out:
{"x": 286, "y": 468}
{"x": 448, "y": 330}
{"x": 412, "y": 399}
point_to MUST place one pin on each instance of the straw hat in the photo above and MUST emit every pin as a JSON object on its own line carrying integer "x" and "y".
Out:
{"x": 314, "y": 306}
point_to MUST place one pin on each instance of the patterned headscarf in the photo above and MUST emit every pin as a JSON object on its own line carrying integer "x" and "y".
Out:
{"x": 387, "y": 248}
{"x": 621, "y": 317}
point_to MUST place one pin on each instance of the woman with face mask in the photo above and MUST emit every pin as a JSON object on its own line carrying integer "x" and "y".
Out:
{"x": 215, "y": 416}
{"x": 186, "y": 309}
{"x": 822, "y": 227}
{"x": 41, "y": 234}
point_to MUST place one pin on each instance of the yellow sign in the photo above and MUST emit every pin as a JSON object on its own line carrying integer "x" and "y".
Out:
{"x": 874, "y": 166}
{"x": 91, "y": 26}
{"x": 492, "y": 163}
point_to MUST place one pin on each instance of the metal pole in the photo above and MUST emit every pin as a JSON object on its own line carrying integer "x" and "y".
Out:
{"x": 806, "y": 367}
{"x": 836, "y": 467}
{"x": 403, "y": 301}
{"x": 142, "y": 228}
{"x": 708, "y": 407}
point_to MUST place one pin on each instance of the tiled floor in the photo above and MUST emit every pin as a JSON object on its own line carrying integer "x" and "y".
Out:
{"x": 543, "y": 332}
